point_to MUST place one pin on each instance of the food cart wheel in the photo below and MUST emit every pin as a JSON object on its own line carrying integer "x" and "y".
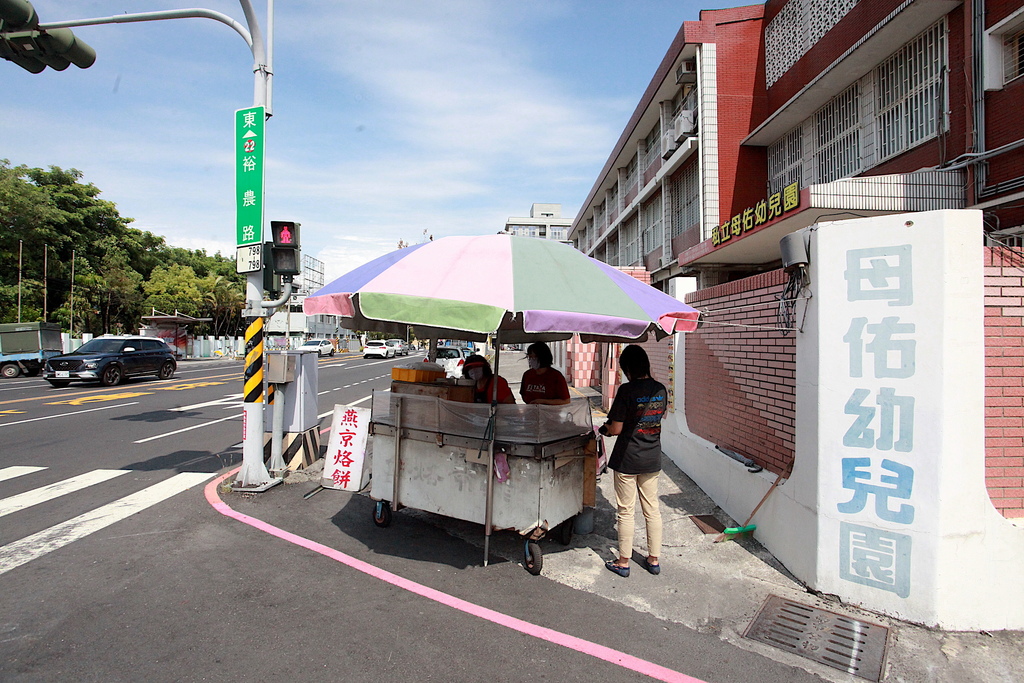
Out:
{"x": 382, "y": 513}
{"x": 563, "y": 532}
{"x": 533, "y": 559}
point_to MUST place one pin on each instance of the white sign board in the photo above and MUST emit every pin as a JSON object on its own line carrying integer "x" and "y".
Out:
{"x": 249, "y": 258}
{"x": 346, "y": 450}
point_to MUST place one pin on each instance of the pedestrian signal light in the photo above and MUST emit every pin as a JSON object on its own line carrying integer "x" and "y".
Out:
{"x": 285, "y": 250}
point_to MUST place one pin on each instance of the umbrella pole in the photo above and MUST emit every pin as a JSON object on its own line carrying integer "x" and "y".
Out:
{"x": 489, "y": 503}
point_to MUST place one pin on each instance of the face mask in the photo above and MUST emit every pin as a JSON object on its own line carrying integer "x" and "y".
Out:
{"x": 476, "y": 374}
{"x": 534, "y": 364}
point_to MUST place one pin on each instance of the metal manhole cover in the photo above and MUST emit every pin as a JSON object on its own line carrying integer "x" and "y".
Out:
{"x": 844, "y": 643}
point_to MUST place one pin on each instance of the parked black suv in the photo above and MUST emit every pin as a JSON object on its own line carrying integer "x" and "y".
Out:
{"x": 108, "y": 360}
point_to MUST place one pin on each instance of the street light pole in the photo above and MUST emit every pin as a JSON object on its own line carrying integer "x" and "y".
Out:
{"x": 253, "y": 474}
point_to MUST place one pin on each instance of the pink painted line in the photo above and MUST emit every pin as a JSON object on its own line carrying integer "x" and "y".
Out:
{"x": 622, "y": 659}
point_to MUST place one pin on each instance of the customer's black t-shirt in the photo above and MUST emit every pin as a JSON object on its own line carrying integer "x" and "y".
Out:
{"x": 639, "y": 406}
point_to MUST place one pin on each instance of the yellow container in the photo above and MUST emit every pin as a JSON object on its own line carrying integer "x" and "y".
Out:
{"x": 415, "y": 374}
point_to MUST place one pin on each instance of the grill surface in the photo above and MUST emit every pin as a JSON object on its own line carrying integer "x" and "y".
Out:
{"x": 65, "y": 364}
{"x": 857, "y": 647}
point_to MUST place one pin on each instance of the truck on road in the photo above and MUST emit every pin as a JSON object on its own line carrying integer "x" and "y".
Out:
{"x": 24, "y": 347}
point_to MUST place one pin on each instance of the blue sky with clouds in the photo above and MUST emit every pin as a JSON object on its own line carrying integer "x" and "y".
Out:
{"x": 391, "y": 117}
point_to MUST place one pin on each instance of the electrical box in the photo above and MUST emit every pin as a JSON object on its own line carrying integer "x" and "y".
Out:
{"x": 281, "y": 367}
{"x": 299, "y": 395}
{"x": 793, "y": 249}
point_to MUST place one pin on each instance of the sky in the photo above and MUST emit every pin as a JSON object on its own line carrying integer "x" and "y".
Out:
{"x": 392, "y": 119}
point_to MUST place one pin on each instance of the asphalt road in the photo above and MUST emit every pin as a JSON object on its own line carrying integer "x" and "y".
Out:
{"x": 115, "y": 566}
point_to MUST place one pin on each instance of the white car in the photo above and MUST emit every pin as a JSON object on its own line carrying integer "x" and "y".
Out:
{"x": 378, "y": 348}
{"x": 323, "y": 347}
{"x": 452, "y": 358}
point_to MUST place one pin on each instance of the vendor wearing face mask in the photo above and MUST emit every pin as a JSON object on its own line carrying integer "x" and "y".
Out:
{"x": 542, "y": 383}
{"x": 478, "y": 369}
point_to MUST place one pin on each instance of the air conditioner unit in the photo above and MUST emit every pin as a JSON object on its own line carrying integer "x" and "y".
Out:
{"x": 669, "y": 145}
{"x": 686, "y": 72}
{"x": 686, "y": 124}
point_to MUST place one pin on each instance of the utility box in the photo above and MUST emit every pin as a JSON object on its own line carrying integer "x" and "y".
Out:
{"x": 281, "y": 367}
{"x": 299, "y": 393}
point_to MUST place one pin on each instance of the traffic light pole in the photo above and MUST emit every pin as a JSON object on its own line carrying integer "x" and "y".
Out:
{"x": 254, "y": 475}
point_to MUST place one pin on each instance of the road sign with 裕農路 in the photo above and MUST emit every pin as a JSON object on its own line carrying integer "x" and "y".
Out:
{"x": 249, "y": 175}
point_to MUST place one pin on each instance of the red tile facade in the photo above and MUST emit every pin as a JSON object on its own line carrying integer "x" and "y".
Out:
{"x": 740, "y": 372}
{"x": 1004, "y": 380}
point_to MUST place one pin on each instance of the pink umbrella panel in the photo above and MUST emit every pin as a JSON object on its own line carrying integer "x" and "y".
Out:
{"x": 524, "y": 288}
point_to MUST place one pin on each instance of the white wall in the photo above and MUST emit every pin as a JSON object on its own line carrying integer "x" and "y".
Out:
{"x": 886, "y": 506}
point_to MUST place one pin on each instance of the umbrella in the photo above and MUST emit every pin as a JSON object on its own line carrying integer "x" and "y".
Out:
{"x": 524, "y": 289}
{"x": 518, "y": 288}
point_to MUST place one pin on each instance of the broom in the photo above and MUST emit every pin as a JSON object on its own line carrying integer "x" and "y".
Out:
{"x": 747, "y": 526}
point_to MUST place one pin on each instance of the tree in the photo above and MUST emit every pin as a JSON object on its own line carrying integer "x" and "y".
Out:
{"x": 173, "y": 288}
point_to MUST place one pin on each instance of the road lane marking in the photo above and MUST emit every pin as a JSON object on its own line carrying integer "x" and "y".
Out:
{"x": 56, "y": 490}
{"x": 188, "y": 429}
{"x": 227, "y": 397}
{"x": 17, "y": 471}
{"x": 31, "y": 547}
{"x": 77, "y": 412}
{"x": 190, "y": 385}
{"x": 82, "y": 400}
{"x": 602, "y": 652}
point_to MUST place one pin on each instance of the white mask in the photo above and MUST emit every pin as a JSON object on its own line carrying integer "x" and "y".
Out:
{"x": 534, "y": 363}
{"x": 476, "y": 374}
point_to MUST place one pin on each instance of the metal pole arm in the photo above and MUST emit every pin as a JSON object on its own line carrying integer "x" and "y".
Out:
{"x": 195, "y": 13}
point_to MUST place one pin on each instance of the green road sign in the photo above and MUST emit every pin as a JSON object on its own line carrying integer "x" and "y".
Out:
{"x": 249, "y": 175}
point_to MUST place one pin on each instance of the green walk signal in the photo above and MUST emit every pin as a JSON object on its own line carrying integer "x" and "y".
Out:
{"x": 34, "y": 49}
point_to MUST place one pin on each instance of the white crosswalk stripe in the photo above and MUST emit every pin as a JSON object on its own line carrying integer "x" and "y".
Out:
{"x": 36, "y": 545}
{"x": 18, "y": 471}
{"x": 61, "y": 488}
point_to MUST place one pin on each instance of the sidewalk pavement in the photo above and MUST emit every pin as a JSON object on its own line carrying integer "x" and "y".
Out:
{"x": 718, "y": 588}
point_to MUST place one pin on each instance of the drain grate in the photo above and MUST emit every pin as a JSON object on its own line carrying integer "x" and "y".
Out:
{"x": 850, "y": 645}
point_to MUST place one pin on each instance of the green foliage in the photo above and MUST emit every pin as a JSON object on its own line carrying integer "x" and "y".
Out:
{"x": 120, "y": 272}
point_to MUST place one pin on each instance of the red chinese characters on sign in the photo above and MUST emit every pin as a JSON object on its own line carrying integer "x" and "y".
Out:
{"x": 346, "y": 451}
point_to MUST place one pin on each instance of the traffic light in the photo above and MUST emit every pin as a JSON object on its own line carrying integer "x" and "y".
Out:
{"x": 34, "y": 49}
{"x": 271, "y": 280}
{"x": 284, "y": 254}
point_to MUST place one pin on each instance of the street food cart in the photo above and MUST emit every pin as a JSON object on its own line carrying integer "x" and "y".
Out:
{"x": 442, "y": 448}
{"x": 519, "y": 290}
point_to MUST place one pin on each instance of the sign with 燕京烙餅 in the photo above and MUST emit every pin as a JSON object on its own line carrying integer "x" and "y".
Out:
{"x": 345, "y": 461}
{"x": 249, "y": 155}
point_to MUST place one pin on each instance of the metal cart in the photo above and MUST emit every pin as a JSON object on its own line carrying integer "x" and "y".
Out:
{"x": 442, "y": 451}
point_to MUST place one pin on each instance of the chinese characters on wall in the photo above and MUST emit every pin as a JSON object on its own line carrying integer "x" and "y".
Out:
{"x": 755, "y": 216}
{"x": 878, "y": 464}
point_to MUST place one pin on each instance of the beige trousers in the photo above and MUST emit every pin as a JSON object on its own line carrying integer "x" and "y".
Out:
{"x": 626, "y": 488}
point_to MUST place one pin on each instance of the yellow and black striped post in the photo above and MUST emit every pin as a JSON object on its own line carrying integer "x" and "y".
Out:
{"x": 253, "y": 387}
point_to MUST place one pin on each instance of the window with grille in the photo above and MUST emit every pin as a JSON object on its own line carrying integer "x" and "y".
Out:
{"x": 630, "y": 175}
{"x": 837, "y": 137}
{"x": 1013, "y": 56}
{"x": 685, "y": 200}
{"x": 786, "y": 160}
{"x": 599, "y": 215}
{"x": 909, "y": 87}
{"x": 653, "y": 237}
{"x": 629, "y": 247}
{"x": 611, "y": 251}
{"x": 652, "y": 146}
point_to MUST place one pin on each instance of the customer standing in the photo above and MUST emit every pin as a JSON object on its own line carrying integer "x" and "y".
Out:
{"x": 635, "y": 417}
{"x": 542, "y": 383}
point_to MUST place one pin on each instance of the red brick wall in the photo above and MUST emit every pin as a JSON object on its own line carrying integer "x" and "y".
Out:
{"x": 740, "y": 74}
{"x": 740, "y": 381}
{"x": 1004, "y": 380}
